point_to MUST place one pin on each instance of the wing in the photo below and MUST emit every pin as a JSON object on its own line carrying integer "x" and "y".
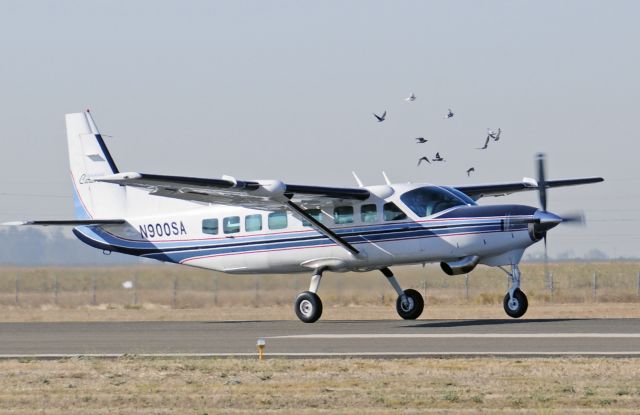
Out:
{"x": 258, "y": 194}
{"x": 503, "y": 189}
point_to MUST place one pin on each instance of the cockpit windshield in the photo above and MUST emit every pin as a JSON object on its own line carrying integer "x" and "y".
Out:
{"x": 429, "y": 200}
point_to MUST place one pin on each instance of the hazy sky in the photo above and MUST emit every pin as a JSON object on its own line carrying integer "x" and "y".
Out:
{"x": 285, "y": 90}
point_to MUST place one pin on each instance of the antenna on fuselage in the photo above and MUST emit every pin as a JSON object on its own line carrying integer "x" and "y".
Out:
{"x": 355, "y": 176}
{"x": 386, "y": 179}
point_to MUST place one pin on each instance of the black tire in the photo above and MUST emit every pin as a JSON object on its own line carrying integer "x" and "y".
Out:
{"x": 308, "y": 307}
{"x": 413, "y": 309}
{"x": 518, "y": 307}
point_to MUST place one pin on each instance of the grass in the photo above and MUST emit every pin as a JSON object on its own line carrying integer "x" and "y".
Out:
{"x": 167, "y": 292}
{"x": 199, "y": 386}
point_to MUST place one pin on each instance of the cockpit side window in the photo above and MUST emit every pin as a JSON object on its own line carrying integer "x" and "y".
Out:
{"x": 392, "y": 212}
{"x": 427, "y": 201}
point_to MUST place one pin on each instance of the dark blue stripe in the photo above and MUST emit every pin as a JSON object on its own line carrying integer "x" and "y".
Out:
{"x": 106, "y": 153}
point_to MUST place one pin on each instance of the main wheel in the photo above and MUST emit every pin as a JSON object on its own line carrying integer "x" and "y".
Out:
{"x": 412, "y": 307}
{"x": 308, "y": 307}
{"x": 516, "y": 307}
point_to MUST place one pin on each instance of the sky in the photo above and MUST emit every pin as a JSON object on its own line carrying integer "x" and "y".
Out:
{"x": 286, "y": 90}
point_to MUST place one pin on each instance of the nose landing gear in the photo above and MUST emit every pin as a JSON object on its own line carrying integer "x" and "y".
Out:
{"x": 515, "y": 302}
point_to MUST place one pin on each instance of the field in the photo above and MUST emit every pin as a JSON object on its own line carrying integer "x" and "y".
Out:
{"x": 163, "y": 292}
{"x": 381, "y": 386}
{"x": 208, "y": 386}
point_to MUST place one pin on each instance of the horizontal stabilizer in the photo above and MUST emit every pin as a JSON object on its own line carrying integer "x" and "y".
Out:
{"x": 71, "y": 222}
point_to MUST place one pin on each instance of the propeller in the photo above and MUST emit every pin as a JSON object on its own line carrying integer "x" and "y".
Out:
{"x": 547, "y": 220}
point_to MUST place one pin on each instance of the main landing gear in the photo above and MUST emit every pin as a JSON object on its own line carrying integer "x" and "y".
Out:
{"x": 515, "y": 302}
{"x": 308, "y": 306}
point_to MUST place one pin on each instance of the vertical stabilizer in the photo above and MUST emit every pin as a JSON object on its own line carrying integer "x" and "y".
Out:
{"x": 88, "y": 158}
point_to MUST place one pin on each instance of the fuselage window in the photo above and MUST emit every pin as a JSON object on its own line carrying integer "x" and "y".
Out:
{"x": 314, "y": 213}
{"x": 253, "y": 223}
{"x": 231, "y": 224}
{"x": 210, "y": 226}
{"x": 368, "y": 213}
{"x": 278, "y": 220}
{"x": 393, "y": 212}
{"x": 343, "y": 214}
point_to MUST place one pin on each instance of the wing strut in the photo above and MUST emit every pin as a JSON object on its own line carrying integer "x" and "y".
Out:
{"x": 322, "y": 229}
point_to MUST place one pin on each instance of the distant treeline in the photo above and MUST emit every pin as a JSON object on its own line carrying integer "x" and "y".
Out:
{"x": 52, "y": 246}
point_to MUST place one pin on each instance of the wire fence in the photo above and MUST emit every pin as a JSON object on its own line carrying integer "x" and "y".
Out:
{"x": 181, "y": 287}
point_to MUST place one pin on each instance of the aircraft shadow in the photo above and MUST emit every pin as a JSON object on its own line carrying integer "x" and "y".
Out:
{"x": 487, "y": 322}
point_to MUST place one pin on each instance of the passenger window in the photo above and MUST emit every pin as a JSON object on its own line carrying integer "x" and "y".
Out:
{"x": 343, "y": 214}
{"x": 368, "y": 213}
{"x": 393, "y": 212}
{"x": 314, "y": 213}
{"x": 231, "y": 224}
{"x": 278, "y": 220}
{"x": 210, "y": 226}
{"x": 253, "y": 223}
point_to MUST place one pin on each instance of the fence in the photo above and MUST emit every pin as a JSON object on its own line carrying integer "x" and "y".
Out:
{"x": 182, "y": 287}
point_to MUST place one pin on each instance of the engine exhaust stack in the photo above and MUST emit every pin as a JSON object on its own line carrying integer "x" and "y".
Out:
{"x": 461, "y": 266}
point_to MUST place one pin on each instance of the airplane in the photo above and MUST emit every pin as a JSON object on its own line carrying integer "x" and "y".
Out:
{"x": 267, "y": 226}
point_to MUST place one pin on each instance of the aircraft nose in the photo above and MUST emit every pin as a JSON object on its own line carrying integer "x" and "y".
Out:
{"x": 546, "y": 220}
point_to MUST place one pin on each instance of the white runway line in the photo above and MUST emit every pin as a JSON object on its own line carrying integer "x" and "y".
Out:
{"x": 320, "y": 355}
{"x": 461, "y": 336}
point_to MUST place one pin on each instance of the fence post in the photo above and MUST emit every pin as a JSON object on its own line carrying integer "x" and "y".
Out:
{"x": 175, "y": 292}
{"x": 551, "y": 285}
{"x": 424, "y": 288}
{"x": 257, "y": 290}
{"x": 93, "y": 289}
{"x": 17, "y": 289}
{"x": 56, "y": 287}
{"x": 135, "y": 289}
{"x": 215, "y": 290}
{"x": 638, "y": 285}
{"x": 466, "y": 287}
{"x": 595, "y": 286}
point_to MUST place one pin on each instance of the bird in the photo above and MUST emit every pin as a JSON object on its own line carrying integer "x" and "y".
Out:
{"x": 425, "y": 158}
{"x": 449, "y": 114}
{"x": 437, "y": 157}
{"x": 469, "y": 170}
{"x": 382, "y": 117}
{"x": 486, "y": 143}
{"x": 411, "y": 97}
{"x": 421, "y": 140}
{"x": 495, "y": 135}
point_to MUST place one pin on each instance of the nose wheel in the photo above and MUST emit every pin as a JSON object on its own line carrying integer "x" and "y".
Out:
{"x": 515, "y": 302}
{"x": 515, "y": 305}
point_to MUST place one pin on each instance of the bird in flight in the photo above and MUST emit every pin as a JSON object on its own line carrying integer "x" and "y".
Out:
{"x": 423, "y": 158}
{"x": 486, "y": 143}
{"x": 421, "y": 140}
{"x": 494, "y": 134}
{"x": 381, "y": 117}
{"x": 437, "y": 157}
{"x": 411, "y": 97}
{"x": 469, "y": 170}
{"x": 449, "y": 114}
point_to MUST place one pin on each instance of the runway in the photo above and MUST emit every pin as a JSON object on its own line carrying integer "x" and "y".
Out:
{"x": 385, "y": 338}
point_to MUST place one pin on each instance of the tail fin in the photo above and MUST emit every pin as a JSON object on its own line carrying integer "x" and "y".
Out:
{"x": 89, "y": 157}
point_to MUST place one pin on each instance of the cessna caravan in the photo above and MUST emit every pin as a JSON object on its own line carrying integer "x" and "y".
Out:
{"x": 267, "y": 226}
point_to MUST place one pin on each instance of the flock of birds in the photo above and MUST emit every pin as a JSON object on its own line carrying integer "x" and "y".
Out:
{"x": 491, "y": 135}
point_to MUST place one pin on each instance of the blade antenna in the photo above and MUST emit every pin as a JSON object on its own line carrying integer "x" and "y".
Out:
{"x": 386, "y": 179}
{"x": 355, "y": 176}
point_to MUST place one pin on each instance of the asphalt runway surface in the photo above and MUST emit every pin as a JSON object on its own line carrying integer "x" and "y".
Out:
{"x": 381, "y": 338}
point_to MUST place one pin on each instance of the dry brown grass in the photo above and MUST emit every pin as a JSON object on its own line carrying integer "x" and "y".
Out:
{"x": 206, "y": 295}
{"x": 206, "y": 386}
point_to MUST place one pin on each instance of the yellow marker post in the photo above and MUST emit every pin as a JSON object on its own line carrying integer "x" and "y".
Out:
{"x": 261, "y": 343}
